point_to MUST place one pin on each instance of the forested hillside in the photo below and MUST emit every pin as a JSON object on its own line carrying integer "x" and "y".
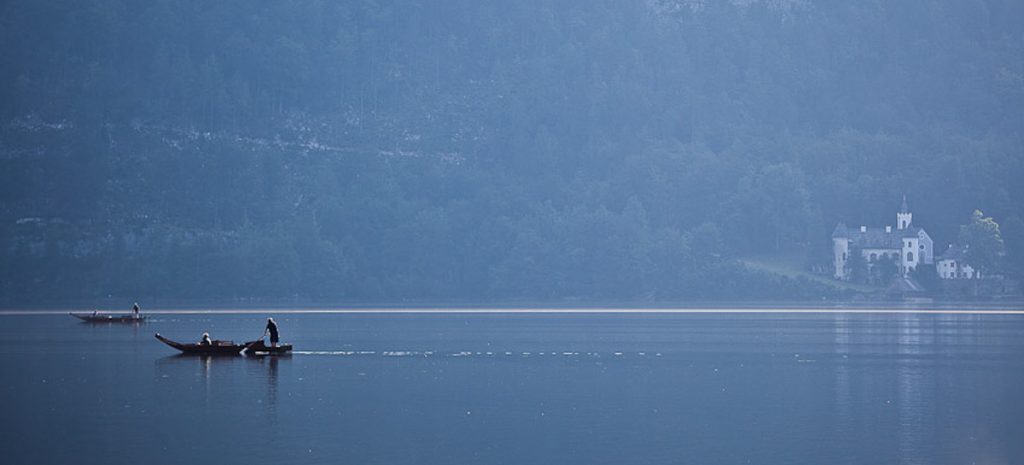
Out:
{"x": 480, "y": 150}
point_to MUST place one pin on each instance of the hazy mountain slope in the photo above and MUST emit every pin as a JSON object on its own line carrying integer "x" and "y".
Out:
{"x": 481, "y": 149}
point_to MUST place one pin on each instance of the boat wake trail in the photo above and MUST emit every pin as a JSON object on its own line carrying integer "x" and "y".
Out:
{"x": 466, "y": 353}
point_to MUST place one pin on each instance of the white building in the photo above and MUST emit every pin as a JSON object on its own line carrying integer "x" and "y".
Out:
{"x": 951, "y": 265}
{"x": 906, "y": 245}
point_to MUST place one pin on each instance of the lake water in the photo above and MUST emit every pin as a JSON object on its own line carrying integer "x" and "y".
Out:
{"x": 541, "y": 388}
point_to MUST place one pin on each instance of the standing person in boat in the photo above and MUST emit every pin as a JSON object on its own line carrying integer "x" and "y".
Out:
{"x": 205, "y": 341}
{"x": 272, "y": 329}
{"x": 135, "y": 310}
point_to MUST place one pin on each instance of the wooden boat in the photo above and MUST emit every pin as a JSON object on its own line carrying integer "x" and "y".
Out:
{"x": 108, "y": 318}
{"x": 259, "y": 348}
{"x": 227, "y": 347}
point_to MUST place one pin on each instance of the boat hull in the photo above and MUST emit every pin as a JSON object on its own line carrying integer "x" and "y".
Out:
{"x": 108, "y": 318}
{"x": 226, "y": 348}
{"x": 259, "y": 348}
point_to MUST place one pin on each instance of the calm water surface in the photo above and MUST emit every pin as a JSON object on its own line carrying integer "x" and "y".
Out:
{"x": 519, "y": 389}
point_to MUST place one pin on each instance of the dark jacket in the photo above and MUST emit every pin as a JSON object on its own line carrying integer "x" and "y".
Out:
{"x": 272, "y": 327}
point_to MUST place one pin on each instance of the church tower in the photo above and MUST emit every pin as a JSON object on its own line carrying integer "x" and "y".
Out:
{"x": 904, "y": 218}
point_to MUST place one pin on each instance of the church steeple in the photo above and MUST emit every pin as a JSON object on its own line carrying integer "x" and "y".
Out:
{"x": 904, "y": 218}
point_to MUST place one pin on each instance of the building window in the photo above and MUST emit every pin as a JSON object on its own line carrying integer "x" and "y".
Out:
{"x": 844, "y": 256}
{"x": 921, "y": 247}
{"x": 874, "y": 257}
{"x": 910, "y": 256}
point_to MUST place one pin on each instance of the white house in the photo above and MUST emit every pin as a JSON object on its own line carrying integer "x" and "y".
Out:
{"x": 906, "y": 245}
{"x": 950, "y": 265}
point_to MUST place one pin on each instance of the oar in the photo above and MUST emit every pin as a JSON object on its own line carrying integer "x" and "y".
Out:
{"x": 249, "y": 345}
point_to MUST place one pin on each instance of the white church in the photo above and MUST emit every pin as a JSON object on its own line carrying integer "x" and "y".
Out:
{"x": 906, "y": 245}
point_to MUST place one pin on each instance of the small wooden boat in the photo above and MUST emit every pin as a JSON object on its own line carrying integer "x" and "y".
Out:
{"x": 218, "y": 347}
{"x": 259, "y": 348}
{"x": 108, "y": 318}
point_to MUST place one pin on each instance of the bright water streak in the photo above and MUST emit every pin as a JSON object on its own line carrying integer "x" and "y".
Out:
{"x": 558, "y": 388}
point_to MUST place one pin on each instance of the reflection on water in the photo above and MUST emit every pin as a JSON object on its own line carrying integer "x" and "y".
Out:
{"x": 915, "y": 394}
{"x": 929, "y": 381}
{"x": 270, "y": 402}
{"x": 844, "y": 414}
{"x": 208, "y": 371}
{"x": 568, "y": 389}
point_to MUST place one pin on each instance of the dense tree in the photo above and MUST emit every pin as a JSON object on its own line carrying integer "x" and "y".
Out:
{"x": 927, "y": 277}
{"x": 1013, "y": 233}
{"x": 884, "y": 269}
{"x": 984, "y": 249}
{"x": 857, "y": 266}
{"x": 383, "y": 150}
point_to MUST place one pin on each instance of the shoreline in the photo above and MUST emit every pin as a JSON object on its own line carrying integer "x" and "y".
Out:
{"x": 964, "y": 308}
{"x": 125, "y": 304}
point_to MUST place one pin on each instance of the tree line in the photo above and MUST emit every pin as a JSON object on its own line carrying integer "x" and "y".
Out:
{"x": 483, "y": 150}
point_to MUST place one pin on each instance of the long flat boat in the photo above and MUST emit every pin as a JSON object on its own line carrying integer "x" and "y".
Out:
{"x": 226, "y": 347}
{"x": 108, "y": 318}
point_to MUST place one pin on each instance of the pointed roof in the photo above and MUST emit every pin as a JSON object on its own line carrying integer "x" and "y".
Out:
{"x": 840, "y": 231}
{"x": 903, "y": 207}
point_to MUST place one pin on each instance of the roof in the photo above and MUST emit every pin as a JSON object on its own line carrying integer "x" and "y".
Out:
{"x": 911, "y": 232}
{"x": 840, "y": 231}
{"x": 954, "y": 252}
{"x": 875, "y": 238}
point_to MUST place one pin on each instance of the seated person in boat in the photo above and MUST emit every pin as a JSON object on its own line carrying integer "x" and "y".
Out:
{"x": 206, "y": 341}
{"x": 272, "y": 329}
